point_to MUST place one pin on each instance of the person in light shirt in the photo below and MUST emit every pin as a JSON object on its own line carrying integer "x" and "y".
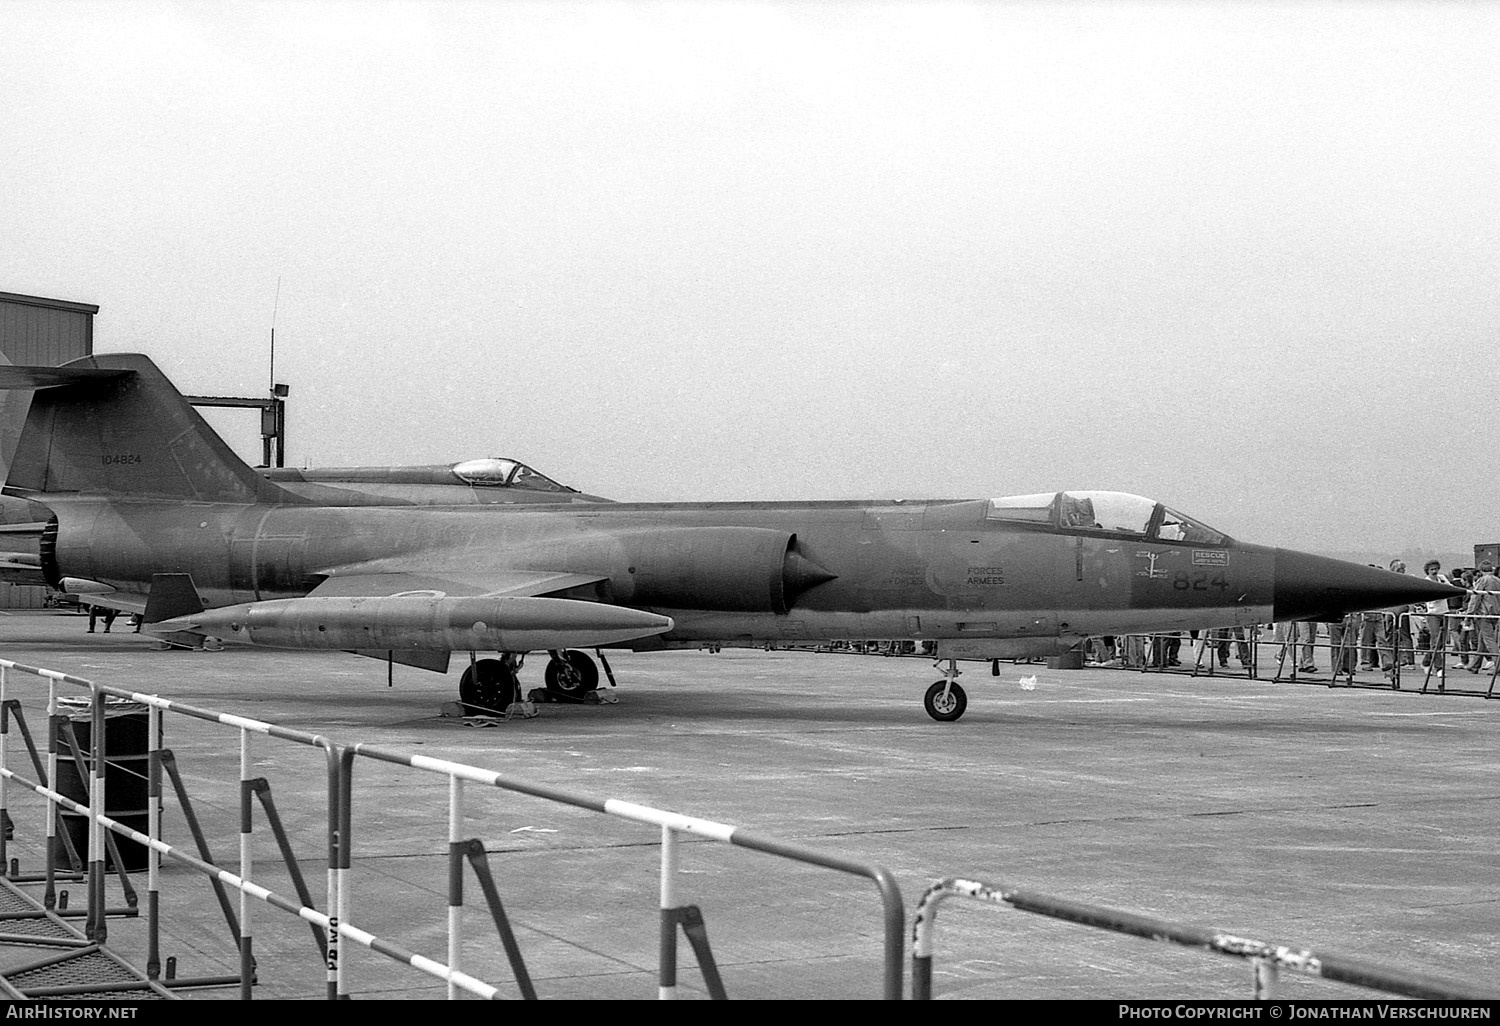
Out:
{"x": 1436, "y": 645}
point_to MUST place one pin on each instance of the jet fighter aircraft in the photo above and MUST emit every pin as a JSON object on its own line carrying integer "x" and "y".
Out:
{"x": 152, "y": 507}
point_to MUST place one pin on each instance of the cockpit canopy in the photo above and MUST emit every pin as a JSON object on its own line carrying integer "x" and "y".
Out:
{"x": 493, "y": 472}
{"x": 1108, "y": 512}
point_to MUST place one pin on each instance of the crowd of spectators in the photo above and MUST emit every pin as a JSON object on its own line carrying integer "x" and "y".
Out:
{"x": 1462, "y": 629}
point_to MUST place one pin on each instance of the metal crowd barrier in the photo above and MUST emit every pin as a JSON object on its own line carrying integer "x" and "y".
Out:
{"x": 1471, "y": 645}
{"x": 330, "y": 926}
{"x": 1266, "y": 959}
{"x": 241, "y": 928}
{"x": 673, "y": 914}
{"x": 1391, "y": 644}
{"x": 1382, "y": 643}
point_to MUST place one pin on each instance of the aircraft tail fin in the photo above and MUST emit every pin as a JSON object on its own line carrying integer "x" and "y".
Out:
{"x": 114, "y": 425}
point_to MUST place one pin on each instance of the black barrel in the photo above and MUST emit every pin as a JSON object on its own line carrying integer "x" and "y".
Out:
{"x": 127, "y": 732}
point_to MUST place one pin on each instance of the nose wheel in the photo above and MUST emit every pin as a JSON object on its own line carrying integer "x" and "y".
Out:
{"x": 945, "y": 701}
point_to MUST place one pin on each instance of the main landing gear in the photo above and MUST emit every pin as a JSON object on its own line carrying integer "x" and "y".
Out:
{"x": 571, "y": 674}
{"x": 489, "y": 686}
{"x": 945, "y": 701}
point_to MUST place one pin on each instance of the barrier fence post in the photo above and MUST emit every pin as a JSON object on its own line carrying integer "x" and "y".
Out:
{"x": 332, "y": 753}
{"x": 49, "y": 891}
{"x": 1267, "y": 979}
{"x": 455, "y": 880}
{"x": 667, "y": 970}
{"x": 474, "y": 849}
{"x": 97, "y": 930}
{"x": 1437, "y": 656}
{"x": 346, "y": 844}
{"x": 153, "y": 830}
{"x": 247, "y": 955}
{"x": 5, "y": 819}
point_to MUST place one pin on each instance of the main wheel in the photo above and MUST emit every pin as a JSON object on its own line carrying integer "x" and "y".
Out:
{"x": 574, "y": 677}
{"x": 945, "y": 710}
{"x": 486, "y": 688}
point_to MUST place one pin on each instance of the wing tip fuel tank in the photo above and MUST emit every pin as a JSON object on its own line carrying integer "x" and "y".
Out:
{"x": 424, "y": 622}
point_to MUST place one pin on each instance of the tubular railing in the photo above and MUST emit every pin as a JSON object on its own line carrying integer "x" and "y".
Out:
{"x": 333, "y": 925}
{"x": 1266, "y": 959}
{"x": 1332, "y": 655}
{"x": 1171, "y": 652}
{"x": 99, "y": 822}
{"x": 1472, "y": 638}
{"x": 336, "y": 924}
{"x": 671, "y": 825}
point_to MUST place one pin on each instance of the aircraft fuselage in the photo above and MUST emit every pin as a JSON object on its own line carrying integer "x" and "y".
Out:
{"x": 932, "y": 570}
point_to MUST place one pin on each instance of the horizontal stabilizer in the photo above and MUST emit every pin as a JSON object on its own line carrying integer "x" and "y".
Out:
{"x": 21, "y": 568}
{"x": 52, "y": 377}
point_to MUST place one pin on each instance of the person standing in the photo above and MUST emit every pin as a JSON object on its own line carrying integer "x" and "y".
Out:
{"x": 1370, "y": 636}
{"x": 1342, "y": 644}
{"x": 1433, "y": 629}
{"x": 1299, "y": 635}
{"x": 1307, "y": 634}
{"x": 1466, "y": 633}
{"x": 1401, "y": 640}
{"x": 1222, "y": 638}
{"x": 1484, "y": 606}
{"x": 1456, "y": 646}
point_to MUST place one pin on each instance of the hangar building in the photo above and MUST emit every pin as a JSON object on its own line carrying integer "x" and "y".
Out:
{"x": 38, "y": 331}
{"x": 45, "y": 331}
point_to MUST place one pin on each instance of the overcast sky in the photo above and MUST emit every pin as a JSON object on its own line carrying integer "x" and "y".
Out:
{"x": 1238, "y": 257}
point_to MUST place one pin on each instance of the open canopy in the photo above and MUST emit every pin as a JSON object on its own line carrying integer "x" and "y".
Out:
{"x": 1106, "y": 512}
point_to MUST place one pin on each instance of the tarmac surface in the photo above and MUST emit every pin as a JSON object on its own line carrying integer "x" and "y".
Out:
{"x": 1362, "y": 822}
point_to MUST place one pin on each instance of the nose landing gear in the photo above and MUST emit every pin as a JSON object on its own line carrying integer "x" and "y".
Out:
{"x": 945, "y": 701}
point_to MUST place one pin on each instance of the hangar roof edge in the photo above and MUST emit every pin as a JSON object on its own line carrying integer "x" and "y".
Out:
{"x": 50, "y": 304}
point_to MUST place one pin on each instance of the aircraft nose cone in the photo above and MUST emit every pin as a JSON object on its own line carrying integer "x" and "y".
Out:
{"x": 1312, "y": 586}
